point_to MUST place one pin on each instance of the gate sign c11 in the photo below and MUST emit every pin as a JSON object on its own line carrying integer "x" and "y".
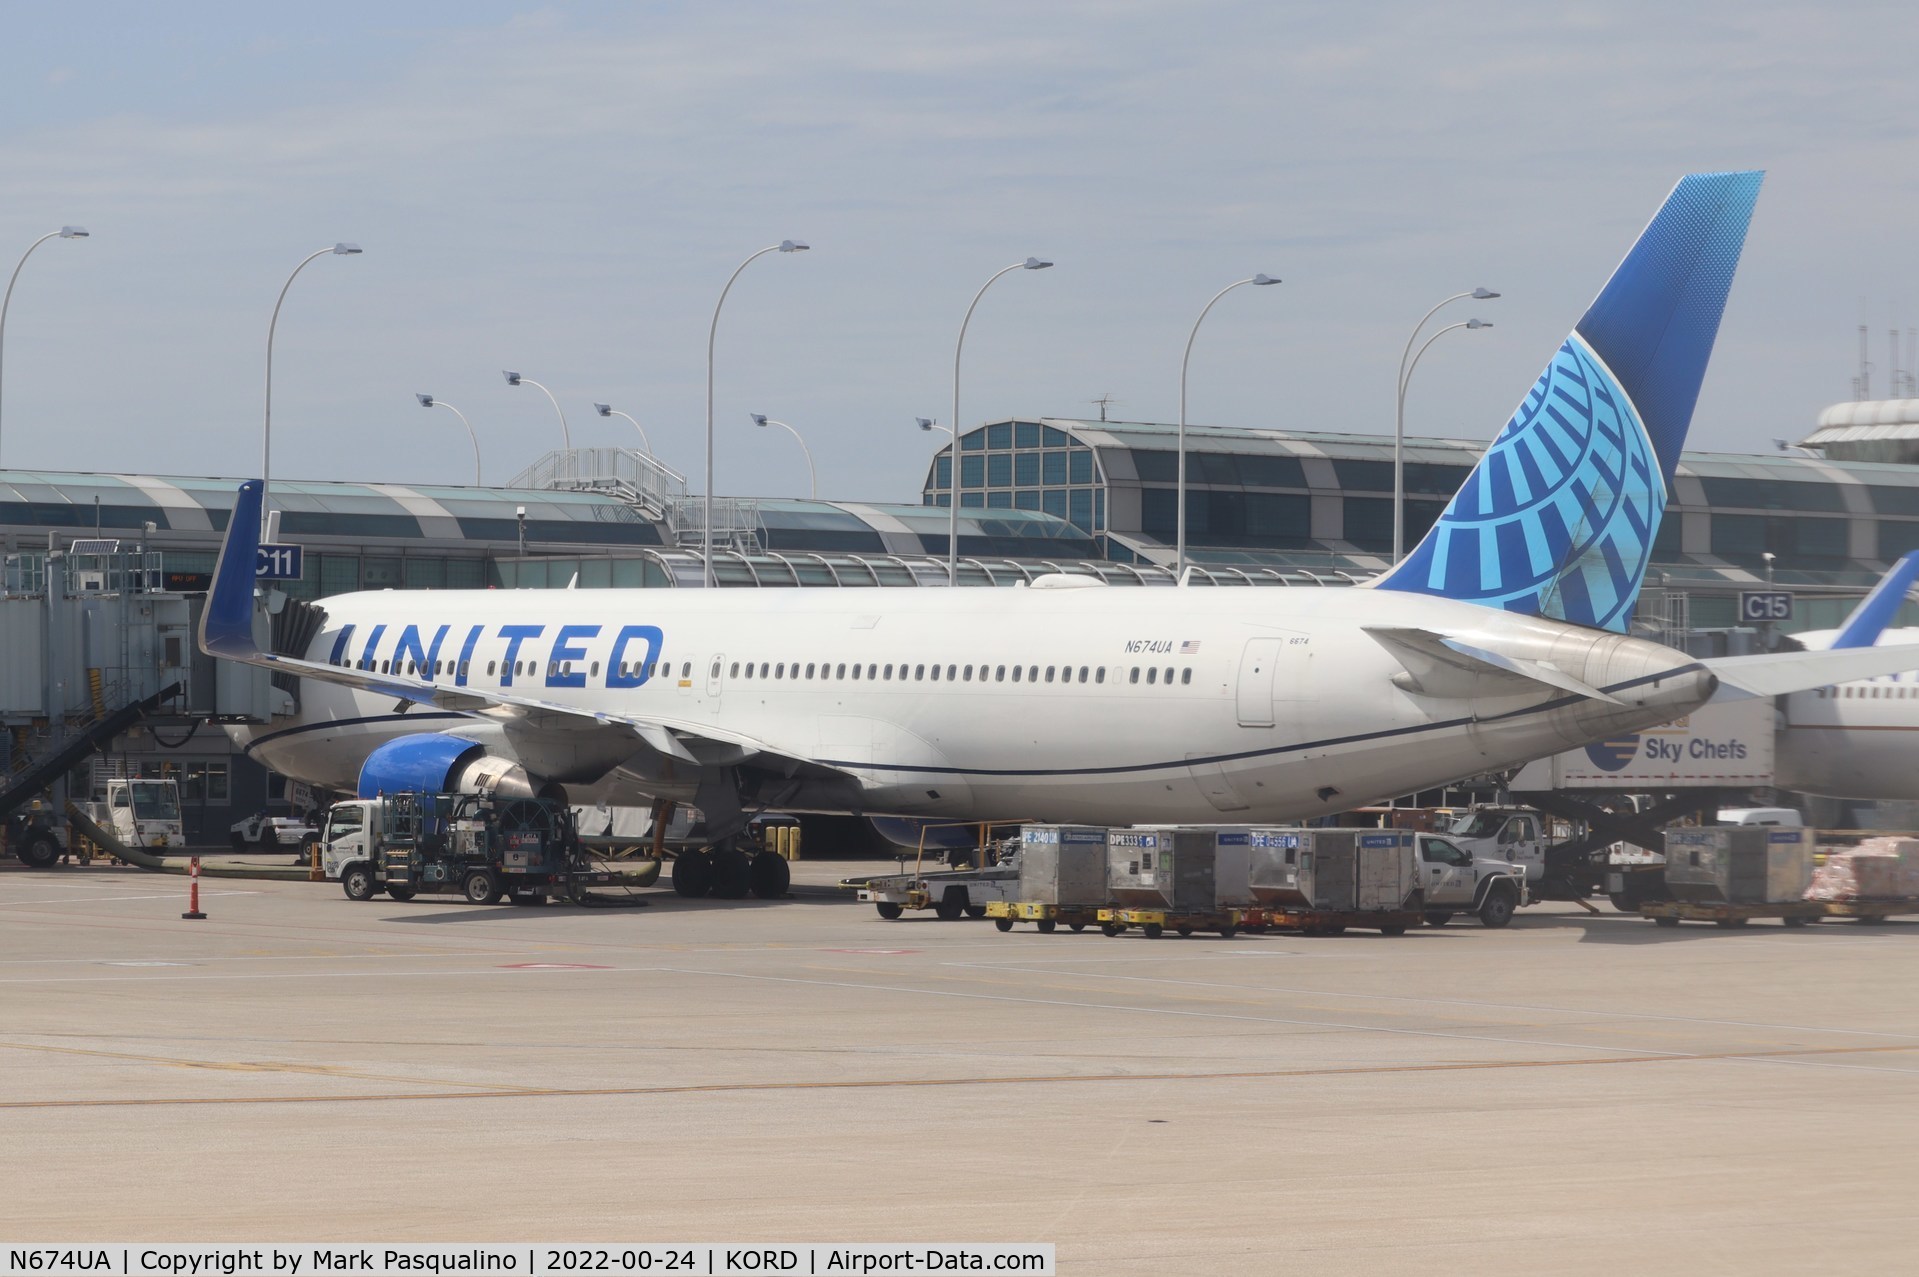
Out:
{"x": 278, "y": 563}
{"x": 1765, "y": 605}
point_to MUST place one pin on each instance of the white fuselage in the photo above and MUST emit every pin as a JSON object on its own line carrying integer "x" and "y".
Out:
{"x": 1109, "y": 705}
{"x": 1852, "y": 740}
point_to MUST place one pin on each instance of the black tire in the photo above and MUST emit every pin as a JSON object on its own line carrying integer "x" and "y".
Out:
{"x": 770, "y": 876}
{"x": 1046, "y": 926}
{"x": 1111, "y": 928}
{"x": 952, "y": 906}
{"x": 39, "y": 851}
{"x": 1623, "y": 901}
{"x": 888, "y": 910}
{"x": 269, "y": 840}
{"x": 1185, "y": 929}
{"x": 1872, "y": 919}
{"x": 1004, "y": 924}
{"x": 305, "y": 848}
{"x": 692, "y": 875}
{"x": 238, "y": 839}
{"x": 1436, "y": 919}
{"x": 480, "y": 887}
{"x": 1731, "y": 922}
{"x": 1228, "y": 931}
{"x": 1076, "y": 927}
{"x": 1666, "y": 920}
{"x": 1498, "y": 908}
{"x": 976, "y": 911}
{"x": 1153, "y": 930}
{"x": 527, "y": 899}
{"x": 732, "y": 874}
{"x": 400, "y": 893}
{"x": 357, "y": 882}
{"x": 1795, "y": 922}
{"x": 1392, "y": 931}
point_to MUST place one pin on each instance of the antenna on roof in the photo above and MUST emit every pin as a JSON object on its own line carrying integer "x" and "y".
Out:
{"x": 1103, "y": 401}
{"x": 1862, "y": 383}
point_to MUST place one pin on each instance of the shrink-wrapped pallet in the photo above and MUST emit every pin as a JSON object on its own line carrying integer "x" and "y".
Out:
{"x": 1864, "y": 873}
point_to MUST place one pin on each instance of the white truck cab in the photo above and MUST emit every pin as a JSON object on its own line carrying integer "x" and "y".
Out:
{"x": 1452, "y": 879}
{"x": 1515, "y": 835}
{"x": 345, "y": 837}
{"x": 145, "y": 812}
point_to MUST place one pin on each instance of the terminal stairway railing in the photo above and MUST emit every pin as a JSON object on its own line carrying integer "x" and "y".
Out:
{"x": 30, "y": 774}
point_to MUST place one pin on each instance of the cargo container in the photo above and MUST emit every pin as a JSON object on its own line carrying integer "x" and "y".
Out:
{"x": 1063, "y": 865}
{"x": 1161, "y": 869}
{"x": 1739, "y": 864}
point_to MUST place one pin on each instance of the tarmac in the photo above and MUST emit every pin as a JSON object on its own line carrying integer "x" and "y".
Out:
{"x": 1575, "y": 1094}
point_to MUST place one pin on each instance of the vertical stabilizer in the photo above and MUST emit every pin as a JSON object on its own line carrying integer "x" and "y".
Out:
{"x": 1875, "y": 612}
{"x": 1559, "y": 516}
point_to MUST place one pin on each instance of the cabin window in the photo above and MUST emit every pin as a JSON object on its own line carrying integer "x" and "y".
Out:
{"x": 919, "y": 673}
{"x": 779, "y": 671}
{"x": 809, "y": 669}
{"x": 1134, "y": 677}
{"x": 715, "y": 672}
{"x": 969, "y": 673}
{"x": 1099, "y": 675}
{"x": 936, "y": 673}
{"x": 686, "y": 669}
{"x": 1169, "y": 676}
{"x": 1152, "y": 676}
{"x": 951, "y": 672}
{"x": 1016, "y": 673}
{"x": 856, "y": 670}
{"x": 1049, "y": 673}
{"x": 841, "y": 671}
{"x": 1032, "y": 674}
{"x": 889, "y": 672}
{"x": 999, "y": 673}
{"x": 1186, "y": 676}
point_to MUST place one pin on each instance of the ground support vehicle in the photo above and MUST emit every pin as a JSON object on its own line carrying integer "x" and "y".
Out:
{"x": 1045, "y": 917}
{"x": 1153, "y": 923}
{"x": 1333, "y": 922}
{"x": 1453, "y": 881}
{"x": 264, "y": 832}
{"x": 958, "y": 893}
{"x": 1793, "y": 913}
{"x": 521, "y": 849}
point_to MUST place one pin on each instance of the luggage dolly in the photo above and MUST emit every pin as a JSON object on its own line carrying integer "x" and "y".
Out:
{"x": 1153, "y": 922}
{"x": 1045, "y": 917}
{"x": 1334, "y": 922}
{"x": 1792, "y": 913}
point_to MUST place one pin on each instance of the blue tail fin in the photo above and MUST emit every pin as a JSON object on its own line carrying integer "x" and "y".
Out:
{"x": 226, "y": 627}
{"x": 1869, "y": 620}
{"x": 1558, "y": 518}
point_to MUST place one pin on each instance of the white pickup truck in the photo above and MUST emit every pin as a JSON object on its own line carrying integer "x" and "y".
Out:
{"x": 1454, "y": 879}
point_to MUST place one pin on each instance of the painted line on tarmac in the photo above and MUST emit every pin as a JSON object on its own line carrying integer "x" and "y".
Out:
{"x": 19, "y": 905}
{"x": 261, "y": 1066}
{"x": 1458, "y": 1002}
{"x": 877, "y": 1084}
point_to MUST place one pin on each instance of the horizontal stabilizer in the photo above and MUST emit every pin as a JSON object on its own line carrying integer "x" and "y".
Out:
{"x": 1776, "y": 673}
{"x": 1438, "y": 665}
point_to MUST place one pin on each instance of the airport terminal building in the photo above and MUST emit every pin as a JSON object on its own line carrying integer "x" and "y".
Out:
{"x": 1267, "y": 507}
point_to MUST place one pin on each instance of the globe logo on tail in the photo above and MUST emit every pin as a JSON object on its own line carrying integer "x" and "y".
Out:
{"x": 1613, "y": 755}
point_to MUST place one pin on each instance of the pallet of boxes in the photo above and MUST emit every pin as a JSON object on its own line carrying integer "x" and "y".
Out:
{"x": 1730, "y": 876}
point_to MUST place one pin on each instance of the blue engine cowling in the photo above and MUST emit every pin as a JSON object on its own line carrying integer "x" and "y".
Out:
{"x": 427, "y": 763}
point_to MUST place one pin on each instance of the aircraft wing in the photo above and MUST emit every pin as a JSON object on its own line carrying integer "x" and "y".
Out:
{"x": 1776, "y": 673}
{"x": 226, "y": 631}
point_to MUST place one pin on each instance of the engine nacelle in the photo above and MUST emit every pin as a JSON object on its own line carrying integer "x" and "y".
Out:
{"x": 439, "y": 763}
{"x": 943, "y": 835}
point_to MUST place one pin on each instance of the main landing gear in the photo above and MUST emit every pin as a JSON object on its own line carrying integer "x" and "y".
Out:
{"x": 731, "y": 872}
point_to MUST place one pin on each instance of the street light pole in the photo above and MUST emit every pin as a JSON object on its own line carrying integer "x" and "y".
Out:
{"x": 428, "y": 401}
{"x": 65, "y": 232}
{"x": 813, "y": 478}
{"x": 1179, "y": 500}
{"x": 952, "y": 536}
{"x": 712, "y": 333}
{"x": 514, "y": 379}
{"x": 1399, "y": 416}
{"x": 266, "y": 429}
{"x": 1399, "y": 435}
{"x": 607, "y": 410}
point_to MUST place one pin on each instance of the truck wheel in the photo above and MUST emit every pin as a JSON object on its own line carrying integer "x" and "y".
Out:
{"x": 1152, "y": 930}
{"x": 732, "y": 874}
{"x": 1046, "y": 925}
{"x": 976, "y": 911}
{"x": 1075, "y": 927}
{"x": 1624, "y": 901}
{"x": 357, "y": 882}
{"x": 1438, "y": 919}
{"x": 952, "y": 905}
{"x": 1184, "y": 929}
{"x": 1004, "y": 924}
{"x": 1667, "y": 920}
{"x": 400, "y": 893}
{"x": 692, "y": 875}
{"x": 481, "y": 888}
{"x": 1392, "y": 931}
{"x": 1731, "y": 922}
{"x": 1498, "y": 909}
{"x": 889, "y": 910}
{"x": 1111, "y": 928}
{"x": 1228, "y": 931}
{"x": 1791, "y": 921}
{"x": 39, "y": 851}
{"x": 770, "y": 875}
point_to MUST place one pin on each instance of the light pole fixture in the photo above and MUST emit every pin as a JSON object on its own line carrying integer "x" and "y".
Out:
{"x": 1179, "y": 497}
{"x": 712, "y": 332}
{"x": 813, "y": 478}
{"x": 65, "y": 232}
{"x": 266, "y": 428}
{"x": 952, "y": 536}
{"x": 608, "y": 410}
{"x": 1399, "y": 411}
{"x": 514, "y": 379}
{"x": 428, "y": 401}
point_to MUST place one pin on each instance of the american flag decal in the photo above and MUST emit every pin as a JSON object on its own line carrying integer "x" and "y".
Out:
{"x": 1189, "y": 647}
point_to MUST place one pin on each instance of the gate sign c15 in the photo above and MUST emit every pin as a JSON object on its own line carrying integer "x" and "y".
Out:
{"x": 1765, "y": 605}
{"x": 278, "y": 563}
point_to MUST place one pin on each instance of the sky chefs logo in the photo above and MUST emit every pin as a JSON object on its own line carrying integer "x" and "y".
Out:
{"x": 1613, "y": 755}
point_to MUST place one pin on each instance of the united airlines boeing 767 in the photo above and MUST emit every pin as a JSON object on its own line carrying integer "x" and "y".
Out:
{"x": 1501, "y": 638}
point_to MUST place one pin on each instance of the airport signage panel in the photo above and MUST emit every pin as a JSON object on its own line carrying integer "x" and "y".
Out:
{"x": 278, "y": 562}
{"x": 1765, "y": 605}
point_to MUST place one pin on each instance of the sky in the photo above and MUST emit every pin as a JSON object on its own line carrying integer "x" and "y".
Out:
{"x": 564, "y": 190}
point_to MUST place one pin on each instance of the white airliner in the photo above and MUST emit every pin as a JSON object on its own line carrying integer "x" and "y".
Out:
{"x": 1501, "y": 638}
{"x": 1856, "y": 739}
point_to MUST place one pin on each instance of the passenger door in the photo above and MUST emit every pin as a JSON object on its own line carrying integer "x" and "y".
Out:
{"x": 1445, "y": 873}
{"x": 1255, "y": 700}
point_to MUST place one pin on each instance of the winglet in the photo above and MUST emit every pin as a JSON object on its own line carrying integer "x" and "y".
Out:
{"x": 1869, "y": 620}
{"x": 226, "y": 626}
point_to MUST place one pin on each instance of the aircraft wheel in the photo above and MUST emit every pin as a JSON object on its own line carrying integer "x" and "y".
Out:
{"x": 770, "y": 876}
{"x": 692, "y": 875}
{"x": 732, "y": 874}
